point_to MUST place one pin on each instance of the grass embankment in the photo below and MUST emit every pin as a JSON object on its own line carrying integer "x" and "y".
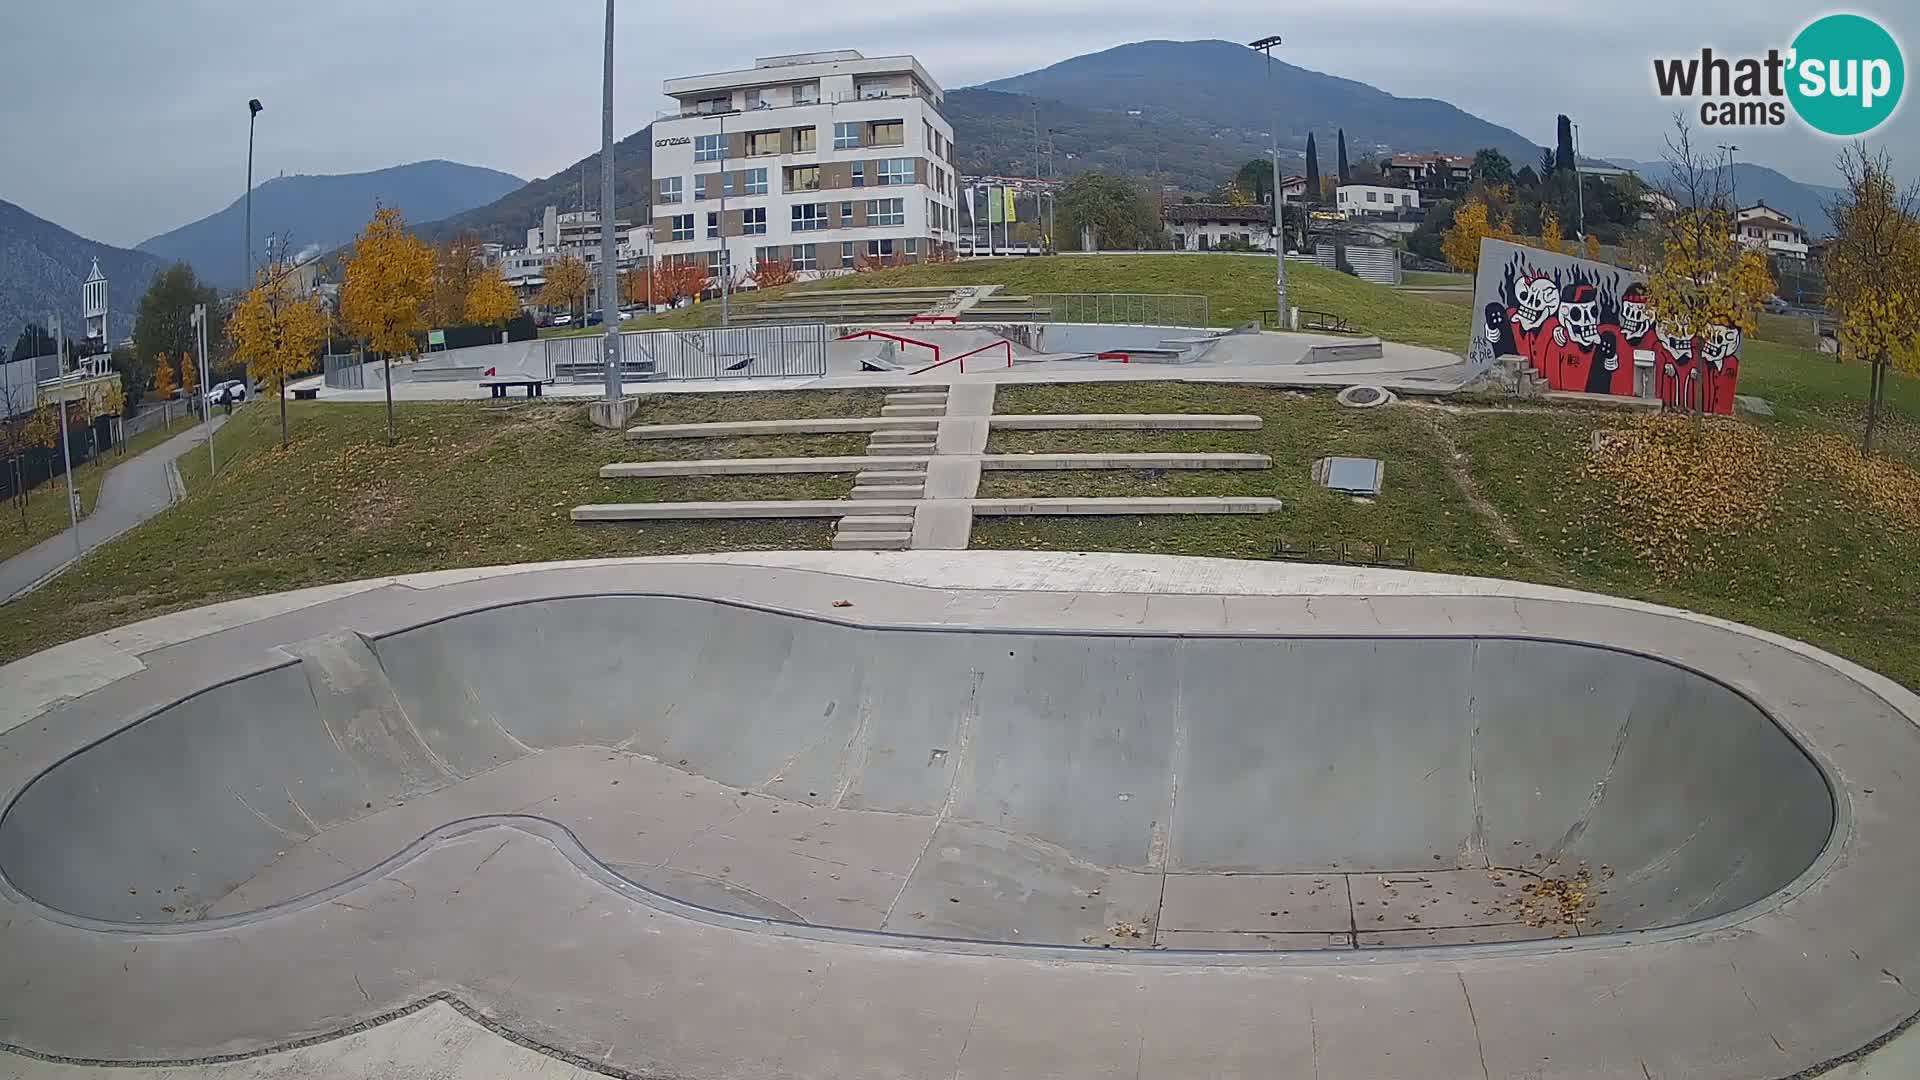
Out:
{"x": 47, "y": 515}
{"x": 1237, "y": 289}
{"x": 464, "y": 486}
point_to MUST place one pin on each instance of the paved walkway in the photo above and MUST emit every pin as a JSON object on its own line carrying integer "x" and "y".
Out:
{"x": 133, "y": 491}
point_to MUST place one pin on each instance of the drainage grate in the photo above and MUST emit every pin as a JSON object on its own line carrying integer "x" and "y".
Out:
{"x": 1351, "y": 475}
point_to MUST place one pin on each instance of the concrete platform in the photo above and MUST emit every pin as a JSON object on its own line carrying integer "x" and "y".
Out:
{"x": 1125, "y": 506}
{"x": 1124, "y": 422}
{"x": 1048, "y": 462}
{"x": 824, "y": 814}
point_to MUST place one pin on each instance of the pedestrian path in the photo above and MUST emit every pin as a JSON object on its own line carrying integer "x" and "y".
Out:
{"x": 133, "y": 491}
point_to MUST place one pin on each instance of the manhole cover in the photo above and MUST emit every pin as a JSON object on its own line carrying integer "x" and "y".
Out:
{"x": 1365, "y": 397}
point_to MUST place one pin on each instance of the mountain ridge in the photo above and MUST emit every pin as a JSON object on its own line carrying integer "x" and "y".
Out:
{"x": 42, "y": 265}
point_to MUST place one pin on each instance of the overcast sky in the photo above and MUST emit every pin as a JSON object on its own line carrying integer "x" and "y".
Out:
{"x": 121, "y": 119}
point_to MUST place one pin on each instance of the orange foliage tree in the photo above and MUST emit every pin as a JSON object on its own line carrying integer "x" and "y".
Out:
{"x": 771, "y": 273}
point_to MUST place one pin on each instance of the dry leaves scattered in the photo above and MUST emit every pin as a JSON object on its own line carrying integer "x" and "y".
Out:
{"x": 1678, "y": 497}
{"x": 1891, "y": 487}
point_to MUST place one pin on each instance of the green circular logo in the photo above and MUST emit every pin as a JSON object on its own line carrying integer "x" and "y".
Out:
{"x": 1847, "y": 75}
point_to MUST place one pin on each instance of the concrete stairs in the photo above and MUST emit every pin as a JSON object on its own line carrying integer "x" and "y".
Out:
{"x": 906, "y": 481}
{"x": 1526, "y": 382}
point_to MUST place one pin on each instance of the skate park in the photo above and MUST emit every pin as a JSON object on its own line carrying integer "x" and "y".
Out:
{"x": 893, "y": 812}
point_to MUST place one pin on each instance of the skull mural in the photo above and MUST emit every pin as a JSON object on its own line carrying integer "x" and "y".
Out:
{"x": 1539, "y": 298}
{"x": 1719, "y": 344}
{"x": 1636, "y": 313}
{"x": 1580, "y": 314}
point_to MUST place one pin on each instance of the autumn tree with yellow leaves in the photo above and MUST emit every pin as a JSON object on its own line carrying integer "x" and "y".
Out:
{"x": 278, "y": 332}
{"x": 456, "y": 269}
{"x": 567, "y": 282}
{"x": 1873, "y": 272}
{"x": 490, "y": 300}
{"x": 1551, "y": 238}
{"x": 163, "y": 387}
{"x": 1703, "y": 275}
{"x": 189, "y": 376}
{"x": 1461, "y": 242}
{"x": 385, "y": 289}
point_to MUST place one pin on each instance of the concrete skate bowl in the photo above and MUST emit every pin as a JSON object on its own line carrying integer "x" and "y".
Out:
{"x": 1037, "y": 788}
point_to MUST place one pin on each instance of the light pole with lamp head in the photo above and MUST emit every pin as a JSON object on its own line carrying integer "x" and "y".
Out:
{"x": 1266, "y": 45}
{"x": 1733, "y": 185}
{"x": 254, "y": 109}
{"x": 609, "y": 245}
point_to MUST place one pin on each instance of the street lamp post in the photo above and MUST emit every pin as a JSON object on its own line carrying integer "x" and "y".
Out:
{"x": 1266, "y": 45}
{"x": 199, "y": 322}
{"x": 1733, "y": 185}
{"x": 1579, "y": 189}
{"x": 254, "y": 108}
{"x": 66, "y": 446}
{"x": 609, "y": 246}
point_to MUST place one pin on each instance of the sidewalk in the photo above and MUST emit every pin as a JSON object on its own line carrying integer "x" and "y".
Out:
{"x": 133, "y": 491}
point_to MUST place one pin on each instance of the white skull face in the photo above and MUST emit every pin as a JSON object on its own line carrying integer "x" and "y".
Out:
{"x": 1581, "y": 317}
{"x": 1538, "y": 299}
{"x": 1678, "y": 339}
{"x": 1636, "y": 318}
{"x": 1719, "y": 343}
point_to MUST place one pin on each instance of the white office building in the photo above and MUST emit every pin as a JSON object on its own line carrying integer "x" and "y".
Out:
{"x": 1374, "y": 199}
{"x": 825, "y": 161}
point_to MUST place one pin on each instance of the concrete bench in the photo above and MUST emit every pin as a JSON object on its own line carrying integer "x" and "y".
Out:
{"x": 305, "y": 393}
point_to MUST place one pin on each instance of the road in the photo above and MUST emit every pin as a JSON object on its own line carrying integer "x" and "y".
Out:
{"x": 133, "y": 491}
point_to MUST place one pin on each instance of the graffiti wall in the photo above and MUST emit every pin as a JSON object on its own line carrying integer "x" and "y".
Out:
{"x": 1588, "y": 326}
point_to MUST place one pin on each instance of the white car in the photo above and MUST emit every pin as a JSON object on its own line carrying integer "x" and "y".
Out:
{"x": 233, "y": 391}
{"x": 561, "y": 320}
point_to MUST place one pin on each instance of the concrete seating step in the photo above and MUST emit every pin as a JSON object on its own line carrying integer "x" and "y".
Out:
{"x": 888, "y": 491}
{"x": 755, "y": 508}
{"x": 903, "y": 449}
{"x": 913, "y": 410}
{"x": 883, "y": 438}
{"x": 1125, "y": 507}
{"x": 877, "y": 523}
{"x": 1124, "y": 422}
{"x": 753, "y": 466}
{"x": 873, "y": 541}
{"x": 917, "y": 397}
{"x": 727, "y": 429}
{"x": 890, "y": 476}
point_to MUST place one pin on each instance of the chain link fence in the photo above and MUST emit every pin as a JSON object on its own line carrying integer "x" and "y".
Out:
{"x": 1137, "y": 309}
{"x": 741, "y": 352}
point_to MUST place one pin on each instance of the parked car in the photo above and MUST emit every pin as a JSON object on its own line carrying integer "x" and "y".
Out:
{"x": 1778, "y": 306}
{"x": 231, "y": 392}
{"x": 594, "y": 318}
{"x": 561, "y": 320}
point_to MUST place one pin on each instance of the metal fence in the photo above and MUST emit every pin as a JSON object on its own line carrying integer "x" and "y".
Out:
{"x": 1139, "y": 309}
{"x": 343, "y": 372}
{"x": 741, "y": 352}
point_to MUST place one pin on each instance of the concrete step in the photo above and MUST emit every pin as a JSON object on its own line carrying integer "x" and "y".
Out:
{"x": 873, "y": 541}
{"x": 917, "y": 397}
{"x": 900, "y": 449}
{"x": 748, "y": 508}
{"x": 890, "y": 476}
{"x": 877, "y": 523}
{"x": 888, "y": 491}
{"x": 882, "y": 438}
{"x": 914, "y": 410}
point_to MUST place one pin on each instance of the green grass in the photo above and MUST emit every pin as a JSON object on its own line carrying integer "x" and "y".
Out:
{"x": 464, "y": 486}
{"x": 46, "y": 511}
{"x": 1786, "y": 330}
{"x": 1421, "y": 506}
{"x": 1418, "y": 278}
{"x": 1237, "y": 288}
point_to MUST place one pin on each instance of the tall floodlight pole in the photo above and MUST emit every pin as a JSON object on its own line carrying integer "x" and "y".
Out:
{"x": 254, "y": 109}
{"x": 1733, "y": 185}
{"x": 1579, "y": 188}
{"x": 66, "y": 448}
{"x": 1266, "y": 45}
{"x": 199, "y": 321}
{"x": 726, "y": 264}
{"x": 609, "y": 258}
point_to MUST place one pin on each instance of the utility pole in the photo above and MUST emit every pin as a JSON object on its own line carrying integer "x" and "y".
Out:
{"x": 1266, "y": 45}
{"x": 1733, "y": 186}
{"x": 609, "y": 257}
{"x": 254, "y": 109}
{"x": 1036, "y": 170}
{"x": 1579, "y": 189}
{"x": 66, "y": 451}
{"x": 199, "y": 321}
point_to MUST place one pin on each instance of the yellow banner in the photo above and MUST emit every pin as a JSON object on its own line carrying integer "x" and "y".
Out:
{"x": 1009, "y": 194}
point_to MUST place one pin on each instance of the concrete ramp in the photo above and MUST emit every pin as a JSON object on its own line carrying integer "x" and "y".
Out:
{"x": 1243, "y": 792}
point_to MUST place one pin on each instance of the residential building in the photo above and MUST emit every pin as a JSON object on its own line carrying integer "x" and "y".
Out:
{"x": 1431, "y": 173}
{"x": 1353, "y": 199}
{"x": 575, "y": 234}
{"x": 1220, "y": 227}
{"x": 1761, "y": 226}
{"x": 824, "y": 161}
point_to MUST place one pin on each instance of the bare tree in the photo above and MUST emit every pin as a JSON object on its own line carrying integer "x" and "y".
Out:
{"x": 1873, "y": 269}
{"x": 17, "y": 401}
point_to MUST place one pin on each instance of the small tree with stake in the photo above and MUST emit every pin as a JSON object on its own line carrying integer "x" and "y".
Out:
{"x": 1873, "y": 271}
{"x": 385, "y": 289}
{"x": 277, "y": 332}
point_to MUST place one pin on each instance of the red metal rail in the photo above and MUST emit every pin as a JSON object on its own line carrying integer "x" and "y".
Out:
{"x": 919, "y": 319}
{"x": 962, "y": 358}
{"x": 896, "y": 337}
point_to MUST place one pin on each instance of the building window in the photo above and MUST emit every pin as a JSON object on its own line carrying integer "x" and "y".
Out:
{"x": 859, "y": 174}
{"x": 719, "y": 262}
{"x": 912, "y": 246}
{"x": 713, "y": 224}
{"x": 1370, "y": 196}
{"x": 753, "y": 220}
{"x": 886, "y": 211}
{"x": 804, "y": 140}
{"x": 683, "y": 227}
{"x": 766, "y": 254}
{"x": 846, "y": 255}
{"x": 846, "y": 136}
{"x": 807, "y": 94}
{"x": 846, "y": 214}
{"x": 708, "y": 147}
{"x": 805, "y": 257}
{"x": 762, "y": 143}
{"x": 895, "y": 171}
{"x": 879, "y": 249}
{"x": 756, "y": 181}
{"x": 927, "y": 130}
{"x": 808, "y": 217}
{"x": 670, "y": 189}
{"x": 887, "y": 133}
{"x": 803, "y": 178}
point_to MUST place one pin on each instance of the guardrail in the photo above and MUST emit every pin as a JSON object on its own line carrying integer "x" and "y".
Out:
{"x": 739, "y": 352}
{"x": 1139, "y": 309}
